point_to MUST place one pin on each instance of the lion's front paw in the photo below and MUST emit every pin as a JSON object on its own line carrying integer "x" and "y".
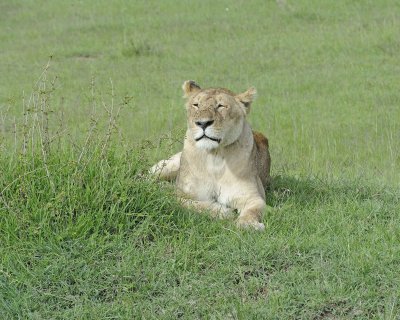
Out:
{"x": 225, "y": 212}
{"x": 155, "y": 170}
{"x": 250, "y": 223}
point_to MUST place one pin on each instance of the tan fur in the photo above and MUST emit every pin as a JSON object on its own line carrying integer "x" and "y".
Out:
{"x": 223, "y": 166}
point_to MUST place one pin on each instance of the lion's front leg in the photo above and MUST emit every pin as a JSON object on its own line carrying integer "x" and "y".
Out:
{"x": 250, "y": 213}
{"x": 217, "y": 210}
{"x": 167, "y": 169}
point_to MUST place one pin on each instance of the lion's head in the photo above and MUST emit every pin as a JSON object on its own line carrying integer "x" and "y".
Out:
{"x": 215, "y": 116}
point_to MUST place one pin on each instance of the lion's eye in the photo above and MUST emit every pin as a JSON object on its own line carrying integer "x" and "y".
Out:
{"x": 196, "y": 105}
{"x": 220, "y": 106}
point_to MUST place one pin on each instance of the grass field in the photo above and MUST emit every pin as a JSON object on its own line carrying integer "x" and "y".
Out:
{"x": 86, "y": 234}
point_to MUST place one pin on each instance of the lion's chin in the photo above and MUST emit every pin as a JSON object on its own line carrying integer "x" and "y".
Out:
{"x": 206, "y": 144}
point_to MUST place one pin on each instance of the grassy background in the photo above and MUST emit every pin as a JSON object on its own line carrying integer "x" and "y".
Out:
{"x": 85, "y": 234}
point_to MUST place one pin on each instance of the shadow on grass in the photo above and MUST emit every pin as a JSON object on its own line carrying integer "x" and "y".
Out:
{"x": 309, "y": 191}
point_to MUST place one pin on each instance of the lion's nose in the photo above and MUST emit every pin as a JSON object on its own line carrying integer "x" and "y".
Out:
{"x": 204, "y": 124}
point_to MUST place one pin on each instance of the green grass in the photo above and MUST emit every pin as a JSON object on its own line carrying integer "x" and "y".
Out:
{"x": 86, "y": 234}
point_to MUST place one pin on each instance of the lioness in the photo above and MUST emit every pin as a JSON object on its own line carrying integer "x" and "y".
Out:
{"x": 224, "y": 165}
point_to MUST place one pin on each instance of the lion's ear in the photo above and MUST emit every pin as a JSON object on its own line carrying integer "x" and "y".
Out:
{"x": 190, "y": 87}
{"x": 247, "y": 98}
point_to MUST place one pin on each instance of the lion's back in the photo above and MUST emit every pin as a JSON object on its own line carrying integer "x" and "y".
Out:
{"x": 263, "y": 161}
